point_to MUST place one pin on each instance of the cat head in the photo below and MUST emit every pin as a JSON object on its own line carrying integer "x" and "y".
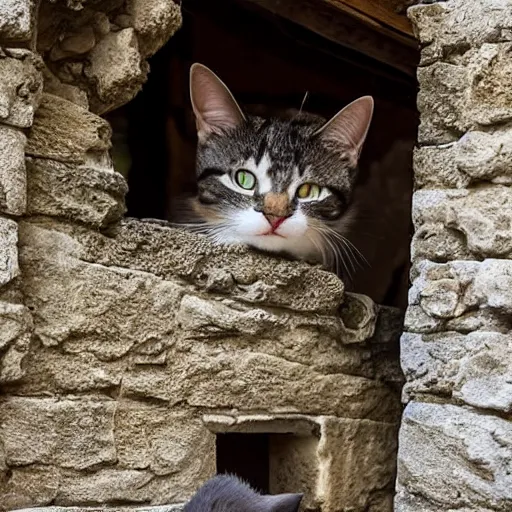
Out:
{"x": 225, "y": 493}
{"x": 277, "y": 185}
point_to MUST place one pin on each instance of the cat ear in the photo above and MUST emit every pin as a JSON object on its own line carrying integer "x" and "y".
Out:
{"x": 350, "y": 126}
{"x": 283, "y": 502}
{"x": 214, "y": 106}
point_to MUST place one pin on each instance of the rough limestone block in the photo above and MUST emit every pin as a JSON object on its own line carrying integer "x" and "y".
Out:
{"x": 446, "y": 30}
{"x": 75, "y": 434}
{"x": 87, "y": 194}
{"x": 68, "y": 133}
{"x": 29, "y": 486}
{"x": 456, "y": 98}
{"x": 478, "y": 157}
{"x": 236, "y": 272}
{"x": 117, "y": 68}
{"x": 463, "y": 224}
{"x": 166, "y": 442}
{"x": 363, "y": 448}
{"x": 21, "y": 86}
{"x": 454, "y": 458}
{"x": 155, "y": 22}
{"x": 79, "y": 305}
{"x": 258, "y": 367}
{"x": 460, "y": 296}
{"x": 475, "y": 369}
{"x": 9, "y": 268}
{"x": 15, "y": 334}
{"x": 13, "y": 180}
{"x": 16, "y": 20}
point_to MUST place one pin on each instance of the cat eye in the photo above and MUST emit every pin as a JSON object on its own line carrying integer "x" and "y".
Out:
{"x": 245, "y": 179}
{"x": 308, "y": 191}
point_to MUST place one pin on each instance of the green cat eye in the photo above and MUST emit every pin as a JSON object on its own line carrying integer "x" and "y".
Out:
{"x": 308, "y": 191}
{"x": 245, "y": 179}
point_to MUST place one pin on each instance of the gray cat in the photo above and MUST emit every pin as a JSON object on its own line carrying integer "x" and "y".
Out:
{"x": 225, "y": 493}
{"x": 288, "y": 186}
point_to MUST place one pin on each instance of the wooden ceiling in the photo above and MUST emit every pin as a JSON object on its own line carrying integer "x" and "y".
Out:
{"x": 376, "y": 28}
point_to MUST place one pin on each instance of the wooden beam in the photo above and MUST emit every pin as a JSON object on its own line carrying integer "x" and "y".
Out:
{"x": 378, "y": 13}
{"x": 351, "y": 28}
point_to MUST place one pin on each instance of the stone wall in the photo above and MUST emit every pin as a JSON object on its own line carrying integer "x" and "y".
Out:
{"x": 456, "y": 437}
{"x": 127, "y": 346}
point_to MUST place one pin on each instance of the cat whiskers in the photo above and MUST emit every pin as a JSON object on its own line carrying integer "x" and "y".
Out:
{"x": 215, "y": 231}
{"x": 343, "y": 251}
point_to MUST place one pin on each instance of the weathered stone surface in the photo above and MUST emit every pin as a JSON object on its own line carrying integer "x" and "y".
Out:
{"x": 89, "y": 194}
{"x": 67, "y": 133}
{"x": 117, "y": 68}
{"x": 464, "y": 460}
{"x": 447, "y": 30}
{"x": 255, "y": 279}
{"x": 164, "y": 441}
{"x": 73, "y": 93}
{"x": 460, "y": 296}
{"x": 16, "y": 20}
{"x": 15, "y": 335}
{"x": 29, "y": 486}
{"x": 475, "y": 158}
{"x": 154, "y": 21}
{"x": 370, "y": 447}
{"x": 455, "y": 98}
{"x": 475, "y": 369}
{"x": 463, "y": 224}
{"x": 21, "y": 86}
{"x": 69, "y": 433}
{"x": 9, "y": 268}
{"x": 257, "y": 367}
{"x": 13, "y": 181}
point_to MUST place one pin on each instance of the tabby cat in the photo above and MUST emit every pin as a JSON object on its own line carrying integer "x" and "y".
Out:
{"x": 291, "y": 186}
{"x": 225, "y": 493}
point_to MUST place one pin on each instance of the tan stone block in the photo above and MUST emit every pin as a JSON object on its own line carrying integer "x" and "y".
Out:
{"x": 17, "y": 20}
{"x": 13, "y": 179}
{"x": 163, "y": 440}
{"x": 478, "y": 157}
{"x": 68, "y": 433}
{"x": 117, "y": 69}
{"x": 9, "y": 268}
{"x": 87, "y": 194}
{"x": 455, "y": 458}
{"x": 66, "y": 132}
{"x": 155, "y": 22}
{"x": 475, "y": 368}
{"x": 461, "y": 296}
{"x": 28, "y": 487}
{"x": 358, "y": 465}
{"x": 21, "y": 87}
{"x": 15, "y": 334}
{"x": 91, "y": 308}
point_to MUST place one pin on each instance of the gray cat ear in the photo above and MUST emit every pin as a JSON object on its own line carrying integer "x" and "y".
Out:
{"x": 283, "y": 502}
{"x": 350, "y": 126}
{"x": 214, "y": 106}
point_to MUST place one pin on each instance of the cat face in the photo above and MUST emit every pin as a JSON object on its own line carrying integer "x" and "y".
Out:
{"x": 226, "y": 493}
{"x": 277, "y": 185}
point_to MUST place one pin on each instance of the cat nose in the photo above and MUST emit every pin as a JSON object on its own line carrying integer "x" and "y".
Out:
{"x": 275, "y": 221}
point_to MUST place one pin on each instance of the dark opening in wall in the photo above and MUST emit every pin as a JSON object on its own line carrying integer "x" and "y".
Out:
{"x": 269, "y": 63}
{"x": 245, "y": 455}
